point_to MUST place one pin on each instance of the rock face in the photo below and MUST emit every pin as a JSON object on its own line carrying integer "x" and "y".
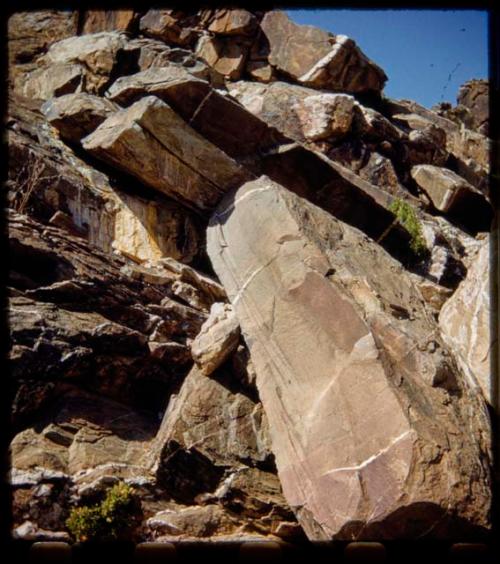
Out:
{"x": 465, "y": 321}
{"x": 334, "y": 380}
{"x": 324, "y": 333}
{"x": 151, "y": 142}
{"x": 314, "y": 57}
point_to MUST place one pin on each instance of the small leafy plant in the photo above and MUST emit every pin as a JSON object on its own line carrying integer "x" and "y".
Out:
{"x": 406, "y": 215}
{"x": 111, "y": 519}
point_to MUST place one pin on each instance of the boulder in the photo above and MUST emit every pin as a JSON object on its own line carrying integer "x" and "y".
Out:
{"x": 326, "y": 116}
{"x": 152, "y": 143}
{"x": 452, "y": 194}
{"x": 56, "y": 80}
{"x": 31, "y": 32}
{"x": 213, "y": 447}
{"x": 96, "y": 52}
{"x": 369, "y": 414}
{"x": 319, "y": 59}
{"x": 465, "y": 322}
{"x": 226, "y": 55}
{"x": 77, "y": 115}
{"x": 171, "y": 26}
{"x": 233, "y": 22}
{"x": 217, "y": 339}
{"x": 211, "y": 112}
{"x": 443, "y": 186}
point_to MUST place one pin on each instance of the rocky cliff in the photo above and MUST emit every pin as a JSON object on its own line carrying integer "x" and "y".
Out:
{"x": 243, "y": 281}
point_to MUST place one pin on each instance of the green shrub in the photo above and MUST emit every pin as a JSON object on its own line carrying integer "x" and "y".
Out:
{"x": 112, "y": 518}
{"x": 406, "y": 215}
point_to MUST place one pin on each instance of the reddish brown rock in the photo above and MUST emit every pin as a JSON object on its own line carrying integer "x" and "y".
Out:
{"x": 383, "y": 428}
{"x": 233, "y": 22}
{"x": 319, "y": 59}
{"x": 474, "y": 95}
{"x": 226, "y": 56}
{"x": 170, "y": 26}
{"x": 108, "y": 20}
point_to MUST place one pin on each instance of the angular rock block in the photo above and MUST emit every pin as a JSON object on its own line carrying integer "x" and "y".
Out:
{"x": 375, "y": 430}
{"x": 317, "y": 58}
{"x": 76, "y": 115}
{"x": 218, "y": 338}
{"x": 151, "y": 142}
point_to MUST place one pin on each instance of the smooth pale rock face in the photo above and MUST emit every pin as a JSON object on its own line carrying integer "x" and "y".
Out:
{"x": 371, "y": 420}
{"x": 326, "y": 115}
{"x": 317, "y": 58}
{"x": 217, "y": 339}
{"x": 151, "y": 142}
{"x": 77, "y": 115}
{"x": 465, "y": 322}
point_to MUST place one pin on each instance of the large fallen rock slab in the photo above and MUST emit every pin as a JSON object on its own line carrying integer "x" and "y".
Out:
{"x": 214, "y": 114}
{"x": 317, "y": 58}
{"x": 465, "y": 322}
{"x": 375, "y": 429}
{"x": 151, "y": 142}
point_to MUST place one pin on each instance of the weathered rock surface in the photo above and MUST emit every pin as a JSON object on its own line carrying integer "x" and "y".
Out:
{"x": 78, "y": 315}
{"x": 213, "y": 447}
{"x": 443, "y": 186}
{"x": 379, "y": 430}
{"x": 474, "y": 95}
{"x": 325, "y": 330}
{"x": 465, "y": 322}
{"x": 77, "y": 115}
{"x": 326, "y": 115}
{"x": 151, "y": 142}
{"x": 233, "y": 22}
{"x": 453, "y": 194}
{"x": 217, "y": 339}
{"x": 46, "y": 177}
{"x": 95, "y": 21}
{"x": 171, "y": 26}
{"x": 316, "y": 58}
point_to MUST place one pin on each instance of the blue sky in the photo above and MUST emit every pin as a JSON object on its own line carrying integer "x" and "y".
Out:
{"x": 418, "y": 49}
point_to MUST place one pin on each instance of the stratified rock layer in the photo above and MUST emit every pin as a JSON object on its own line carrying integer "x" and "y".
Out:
{"x": 375, "y": 430}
